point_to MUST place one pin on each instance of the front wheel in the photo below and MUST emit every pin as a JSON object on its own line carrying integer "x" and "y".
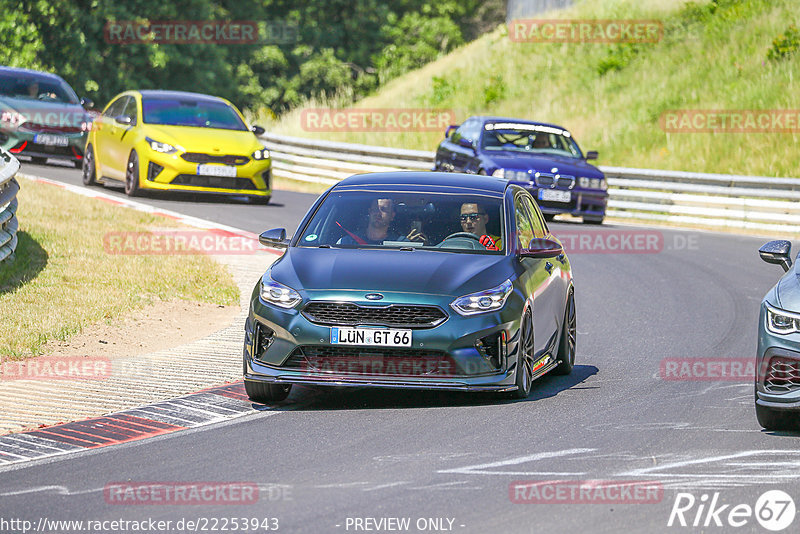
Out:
{"x": 89, "y": 171}
{"x": 549, "y": 216}
{"x": 567, "y": 346}
{"x": 132, "y": 175}
{"x": 524, "y": 375}
{"x": 38, "y": 160}
{"x": 260, "y": 200}
{"x": 593, "y": 220}
{"x": 263, "y": 392}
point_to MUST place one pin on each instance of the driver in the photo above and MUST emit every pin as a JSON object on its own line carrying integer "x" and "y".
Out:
{"x": 33, "y": 89}
{"x": 473, "y": 220}
{"x": 541, "y": 141}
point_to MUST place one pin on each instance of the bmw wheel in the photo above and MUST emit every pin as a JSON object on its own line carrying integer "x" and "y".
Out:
{"x": 132, "y": 175}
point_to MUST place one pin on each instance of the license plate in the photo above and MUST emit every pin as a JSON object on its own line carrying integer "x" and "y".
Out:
{"x": 554, "y": 195}
{"x": 216, "y": 170}
{"x": 50, "y": 140}
{"x": 371, "y": 337}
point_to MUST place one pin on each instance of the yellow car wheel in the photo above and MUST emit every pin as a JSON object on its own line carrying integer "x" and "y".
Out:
{"x": 132, "y": 175}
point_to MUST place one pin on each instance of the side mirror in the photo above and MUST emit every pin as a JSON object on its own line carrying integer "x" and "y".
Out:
{"x": 258, "y": 130}
{"x": 777, "y": 252}
{"x": 541, "y": 247}
{"x": 87, "y": 103}
{"x": 466, "y": 143}
{"x": 123, "y": 120}
{"x": 450, "y": 129}
{"x": 592, "y": 154}
{"x": 275, "y": 238}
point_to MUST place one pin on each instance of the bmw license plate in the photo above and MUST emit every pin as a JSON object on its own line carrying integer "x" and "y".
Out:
{"x": 50, "y": 140}
{"x": 554, "y": 195}
{"x": 371, "y": 337}
{"x": 217, "y": 170}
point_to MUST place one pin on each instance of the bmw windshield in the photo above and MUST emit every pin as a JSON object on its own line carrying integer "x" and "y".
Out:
{"x": 529, "y": 138}
{"x": 188, "y": 112}
{"x": 468, "y": 222}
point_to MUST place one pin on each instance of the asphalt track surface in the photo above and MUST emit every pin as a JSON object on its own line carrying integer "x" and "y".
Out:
{"x": 325, "y": 458}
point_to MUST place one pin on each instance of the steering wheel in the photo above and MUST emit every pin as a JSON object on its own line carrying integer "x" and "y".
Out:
{"x": 470, "y": 235}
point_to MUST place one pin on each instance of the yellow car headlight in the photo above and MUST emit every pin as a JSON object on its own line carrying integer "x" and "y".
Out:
{"x": 158, "y": 146}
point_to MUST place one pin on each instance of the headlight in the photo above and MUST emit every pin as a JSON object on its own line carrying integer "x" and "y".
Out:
{"x": 780, "y": 322}
{"x": 164, "y": 148}
{"x": 511, "y": 174}
{"x": 279, "y": 294}
{"x": 483, "y": 301}
{"x": 261, "y": 153}
{"x": 592, "y": 183}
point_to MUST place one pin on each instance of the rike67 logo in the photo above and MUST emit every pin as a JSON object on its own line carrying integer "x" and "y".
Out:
{"x": 774, "y": 510}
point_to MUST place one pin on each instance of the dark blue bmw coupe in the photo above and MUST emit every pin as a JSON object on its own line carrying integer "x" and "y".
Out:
{"x": 542, "y": 158}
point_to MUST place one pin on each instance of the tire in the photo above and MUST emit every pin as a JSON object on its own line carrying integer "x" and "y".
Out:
{"x": 549, "y": 216}
{"x": 567, "y": 345}
{"x": 78, "y": 164}
{"x": 89, "y": 170}
{"x": 260, "y": 200}
{"x": 38, "y": 160}
{"x": 482, "y": 172}
{"x": 132, "y": 175}
{"x": 771, "y": 419}
{"x": 262, "y": 392}
{"x": 593, "y": 220}
{"x": 524, "y": 373}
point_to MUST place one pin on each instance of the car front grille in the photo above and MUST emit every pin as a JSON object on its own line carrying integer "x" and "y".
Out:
{"x": 561, "y": 180}
{"x": 783, "y": 375}
{"x": 372, "y": 361}
{"x": 396, "y": 315}
{"x": 49, "y": 128}
{"x": 198, "y": 157}
{"x": 220, "y": 182}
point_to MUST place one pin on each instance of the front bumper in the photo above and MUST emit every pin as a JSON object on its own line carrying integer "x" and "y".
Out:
{"x": 22, "y": 143}
{"x": 583, "y": 202}
{"x": 771, "y": 348}
{"x": 171, "y": 172}
{"x": 455, "y": 338}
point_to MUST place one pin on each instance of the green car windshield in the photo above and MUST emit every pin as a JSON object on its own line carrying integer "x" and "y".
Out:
{"x": 470, "y": 223}
{"x": 529, "y": 138}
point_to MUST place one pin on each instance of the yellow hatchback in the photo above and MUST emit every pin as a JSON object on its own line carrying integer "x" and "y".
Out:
{"x": 177, "y": 141}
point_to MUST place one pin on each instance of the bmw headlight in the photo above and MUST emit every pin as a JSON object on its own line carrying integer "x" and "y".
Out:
{"x": 158, "y": 146}
{"x": 279, "y": 294}
{"x": 511, "y": 174}
{"x": 483, "y": 301}
{"x": 261, "y": 153}
{"x": 592, "y": 183}
{"x": 781, "y": 322}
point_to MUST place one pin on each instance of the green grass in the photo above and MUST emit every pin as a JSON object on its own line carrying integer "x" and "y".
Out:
{"x": 728, "y": 54}
{"x": 62, "y": 280}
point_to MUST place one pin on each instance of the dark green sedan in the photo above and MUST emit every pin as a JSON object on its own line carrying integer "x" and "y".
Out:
{"x": 413, "y": 280}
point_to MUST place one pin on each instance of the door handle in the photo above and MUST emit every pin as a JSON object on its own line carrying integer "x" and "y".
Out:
{"x": 548, "y": 267}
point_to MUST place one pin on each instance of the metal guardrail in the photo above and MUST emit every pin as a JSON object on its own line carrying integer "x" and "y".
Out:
{"x": 8, "y": 205}
{"x": 686, "y": 198}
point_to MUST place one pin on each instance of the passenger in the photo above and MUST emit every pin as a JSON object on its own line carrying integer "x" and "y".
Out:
{"x": 473, "y": 220}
